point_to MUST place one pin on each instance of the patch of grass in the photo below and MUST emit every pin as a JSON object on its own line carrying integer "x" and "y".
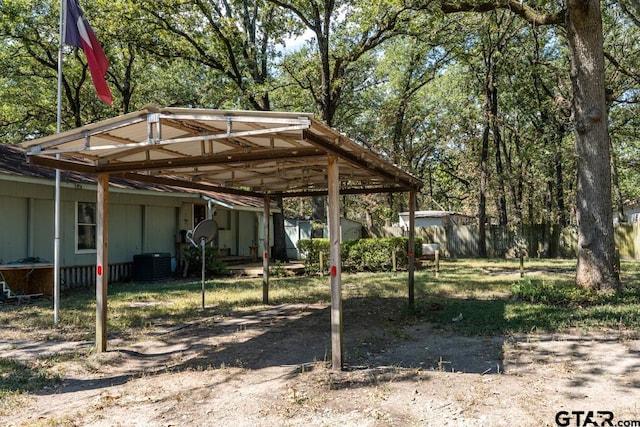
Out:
{"x": 493, "y": 299}
{"x": 472, "y": 316}
{"x": 537, "y": 291}
{"x": 20, "y": 377}
{"x": 490, "y": 295}
{"x": 471, "y": 297}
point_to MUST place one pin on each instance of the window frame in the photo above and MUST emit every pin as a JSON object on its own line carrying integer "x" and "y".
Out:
{"x": 78, "y": 224}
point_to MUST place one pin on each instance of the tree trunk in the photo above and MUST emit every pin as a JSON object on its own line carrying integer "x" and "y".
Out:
{"x": 501, "y": 199}
{"x": 279, "y": 236}
{"x": 616, "y": 188}
{"x": 319, "y": 209}
{"x": 596, "y": 267}
{"x": 547, "y": 217}
{"x": 562, "y": 211}
{"x": 482, "y": 202}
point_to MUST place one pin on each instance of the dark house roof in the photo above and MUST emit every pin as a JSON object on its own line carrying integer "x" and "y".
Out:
{"x": 13, "y": 162}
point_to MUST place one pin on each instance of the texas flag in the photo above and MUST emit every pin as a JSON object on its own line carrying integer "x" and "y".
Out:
{"x": 79, "y": 33}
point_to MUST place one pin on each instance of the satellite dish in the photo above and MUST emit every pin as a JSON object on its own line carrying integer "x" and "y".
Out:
{"x": 206, "y": 230}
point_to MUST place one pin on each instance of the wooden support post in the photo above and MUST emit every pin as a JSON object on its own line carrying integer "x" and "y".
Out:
{"x": 335, "y": 263}
{"x": 265, "y": 252}
{"x": 437, "y": 262}
{"x": 394, "y": 262}
{"x": 412, "y": 247}
{"x": 102, "y": 263}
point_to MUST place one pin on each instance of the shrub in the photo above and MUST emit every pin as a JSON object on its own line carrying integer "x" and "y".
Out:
{"x": 213, "y": 266}
{"x": 360, "y": 255}
{"x": 277, "y": 270}
{"x": 312, "y": 250}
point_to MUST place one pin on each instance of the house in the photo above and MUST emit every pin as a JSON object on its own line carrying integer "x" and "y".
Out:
{"x": 301, "y": 229}
{"x": 144, "y": 217}
{"x": 435, "y": 219}
{"x": 631, "y": 211}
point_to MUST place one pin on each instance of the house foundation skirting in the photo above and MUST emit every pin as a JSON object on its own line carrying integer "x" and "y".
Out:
{"x": 84, "y": 276}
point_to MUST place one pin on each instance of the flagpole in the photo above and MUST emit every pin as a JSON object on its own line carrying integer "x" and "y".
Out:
{"x": 56, "y": 227}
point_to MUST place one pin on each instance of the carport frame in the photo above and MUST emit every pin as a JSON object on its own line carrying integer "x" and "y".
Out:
{"x": 258, "y": 145}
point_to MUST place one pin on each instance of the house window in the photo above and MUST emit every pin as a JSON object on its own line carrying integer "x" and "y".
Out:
{"x": 86, "y": 227}
{"x": 199, "y": 214}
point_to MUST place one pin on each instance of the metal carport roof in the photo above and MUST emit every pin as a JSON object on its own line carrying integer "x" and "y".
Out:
{"x": 280, "y": 154}
{"x": 267, "y": 154}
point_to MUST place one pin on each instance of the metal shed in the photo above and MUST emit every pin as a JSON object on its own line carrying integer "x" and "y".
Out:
{"x": 265, "y": 154}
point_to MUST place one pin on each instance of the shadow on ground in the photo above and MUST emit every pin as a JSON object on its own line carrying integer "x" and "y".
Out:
{"x": 378, "y": 336}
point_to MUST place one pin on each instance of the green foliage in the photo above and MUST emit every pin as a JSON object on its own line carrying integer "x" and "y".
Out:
{"x": 490, "y": 302}
{"x": 277, "y": 270}
{"x": 314, "y": 251}
{"x": 567, "y": 294}
{"x": 545, "y": 292}
{"x": 360, "y": 255}
{"x": 213, "y": 265}
{"x": 396, "y": 76}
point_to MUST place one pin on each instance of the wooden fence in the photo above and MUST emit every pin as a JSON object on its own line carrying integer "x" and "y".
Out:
{"x": 536, "y": 241}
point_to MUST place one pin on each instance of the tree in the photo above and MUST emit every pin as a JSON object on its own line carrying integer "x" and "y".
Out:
{"x": 495, "y": 37}
{"x": 29, "y": 69}
{"x": 31, "y": 33}
{"x": 343, "y": 32}
{"x": 236, "y": 39}
{"x": 582, "y": 19}
{"x": 622, "y": 28}
{"x": 394, "y": 118}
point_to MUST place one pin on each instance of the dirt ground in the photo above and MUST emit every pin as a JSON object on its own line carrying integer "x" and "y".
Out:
{"x": 270, "y": 368}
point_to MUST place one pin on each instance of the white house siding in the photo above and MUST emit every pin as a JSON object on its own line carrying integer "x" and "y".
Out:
{"x": 350, "y": 230}
{"x": 430, "y": 222}
{"x": 41, "y": 221}
{"x": 125, "y": 232}
{"x": 296, "y": 230}
{"x": 259, "y": 217}
{"x": 633, "y": 213}
{"x": 423, "y": 221}
{"x": 23, "y": 217}
{"x": 14, "y": 214}
{"x": 248, "y": 232}
{"x": 140, "y": 221}
{"x": 160, "y": 229}
{"x": 226, "y": 237}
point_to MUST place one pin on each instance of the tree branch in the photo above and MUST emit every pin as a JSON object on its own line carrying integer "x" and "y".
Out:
{"x": 636, "y": 5}
{"x": 526, "y": 12}
{"x": 621, "y": 68}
